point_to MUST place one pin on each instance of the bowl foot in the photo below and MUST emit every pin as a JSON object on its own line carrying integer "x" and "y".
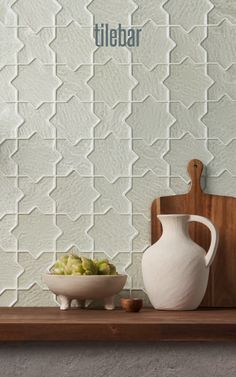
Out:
{"x": 64, "y": 302}
{"x": 109, "y": 303}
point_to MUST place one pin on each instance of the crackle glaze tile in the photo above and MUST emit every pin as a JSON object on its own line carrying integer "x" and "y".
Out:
{"x": 74, "y": 120}
{"x": 144, "y": 190}
{"x": 10, "y": 43}
{"x": 134, "y": 270}
{"x": 8, "y": 92}
{"x": 120, "y": 55}
{"x": 8, "y": 241}
{"x": 112, "y": 120}
{"x": 31, "y": 83}
{"x": 7, "y": 16}
{"x": 36, "y": 157}
{"x": 188, "y": 82}
{"x": 224, "y": 81}
{"x": 82, "y": 41}
{"x": 8, "y": 165}
{"x": 10, "y": 195}
{"x": 150, "y": 82}
{"x": 36, "y": 195}
{"x": 112, "y": 233}
{"x": 150, "y": 157}
{"x": 183, "y": 150}
{"x": 112, "y": 83}
{"x": 9, "y": 271}
{"x": 224, "y": 157}
{"x": 220, "y": 119}
{"x": 35, "y": 296}
{"x": 112, "y": 158}
{"x": 10, "y": 120}
{"x": 188, "y": 44}
{"x": 35, "y": 14}
{"x": 223, "y": 36}
{"x": 143, "y": 238}
{"x": 150, "y": 120}
{"x": 112, "y": 11}
{"x": 75, "y": 157}
{"x": 8, "y": 297}
{"x": 112, "y": 195}
{"x": 154, "y": 47}
{"x": 42, "y": 235}
{"x": 75, "y": 10}
{"x": 36, "y": 120}
{"x": 33, "y": 269}
{"x": 179, "y": 185}
{"x": 150, "y": 10}
{"x": 36, "y": 45}
{"x": 74, "y": 195}
{"x": 188, "y": 120}
{"x": 222, "y": 10}
{"x": 188, "y": 13}
{"x": 225, "y": 184}
{"x": 74, "y": 233}
{"x": 74, "y": 83}
{"x": 63, "y": 18}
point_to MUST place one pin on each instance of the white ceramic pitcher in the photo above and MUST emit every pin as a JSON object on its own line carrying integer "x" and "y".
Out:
{"x": 175, "y": 268}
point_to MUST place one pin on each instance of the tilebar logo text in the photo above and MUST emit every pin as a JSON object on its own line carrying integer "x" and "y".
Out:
{"x": 116, "y": 37}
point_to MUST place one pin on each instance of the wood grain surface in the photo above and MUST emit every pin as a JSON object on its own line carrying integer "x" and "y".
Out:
{"x": 221, "y": 291}
{"x": 51, "y": 324}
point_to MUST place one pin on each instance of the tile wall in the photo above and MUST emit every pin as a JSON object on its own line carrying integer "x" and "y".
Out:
{"x": 90, "y": 136}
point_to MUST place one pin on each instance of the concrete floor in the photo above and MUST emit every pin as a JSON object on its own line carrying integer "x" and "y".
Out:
{"x": 118, "y": 359}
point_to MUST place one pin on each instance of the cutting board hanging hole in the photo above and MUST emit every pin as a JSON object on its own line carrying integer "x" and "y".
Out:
{"x": 195, "y": 168}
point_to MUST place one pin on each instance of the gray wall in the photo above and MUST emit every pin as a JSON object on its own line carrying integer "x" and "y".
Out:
{"x": 118, "y": 359}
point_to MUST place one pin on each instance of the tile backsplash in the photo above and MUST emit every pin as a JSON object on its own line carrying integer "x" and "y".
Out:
{"x": 90, "y": 136}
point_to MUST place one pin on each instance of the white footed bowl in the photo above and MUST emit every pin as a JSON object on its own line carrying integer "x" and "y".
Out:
{"x": 85, "y": 288}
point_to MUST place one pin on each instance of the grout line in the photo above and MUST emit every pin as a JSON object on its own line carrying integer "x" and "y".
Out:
{"x": 93, "y": 137}
{"x": 55, "y": 136}
{"x": 168, "y": 101}
{"x": 17, "y": 165}
{"x": 130, "y": 278}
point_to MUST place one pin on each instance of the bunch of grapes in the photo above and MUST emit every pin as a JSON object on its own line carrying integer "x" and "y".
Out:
{"x": 74, "y": 265}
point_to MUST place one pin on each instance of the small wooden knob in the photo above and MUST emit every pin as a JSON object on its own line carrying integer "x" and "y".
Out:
{"x": 195, "y": 168}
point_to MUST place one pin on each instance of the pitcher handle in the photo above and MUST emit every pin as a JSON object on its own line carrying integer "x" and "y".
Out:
{"x": 214, "y": 237}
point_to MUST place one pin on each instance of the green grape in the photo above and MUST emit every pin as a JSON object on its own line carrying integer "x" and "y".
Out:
{"x": 87, "y": 272}
{"x": 58, "y": 271}
{"x": 104, "y": 268}
{"x": 72, "y": 260}
{"x": 89, "y": 265}
{"x": 112, "y": 269}
{"x": 103, "y": 261}
{"x": 77, "y": 269}
{"x": 67, "y": 270}
{"x": 58, "y": 268}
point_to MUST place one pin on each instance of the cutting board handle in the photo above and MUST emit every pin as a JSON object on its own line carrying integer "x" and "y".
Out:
{"x": 195, "y": 168}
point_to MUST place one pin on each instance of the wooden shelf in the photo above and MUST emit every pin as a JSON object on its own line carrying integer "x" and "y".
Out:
{"x": 51, "y": 324}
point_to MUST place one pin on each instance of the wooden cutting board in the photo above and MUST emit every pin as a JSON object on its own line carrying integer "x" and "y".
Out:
{"x": 221, "y": 210}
